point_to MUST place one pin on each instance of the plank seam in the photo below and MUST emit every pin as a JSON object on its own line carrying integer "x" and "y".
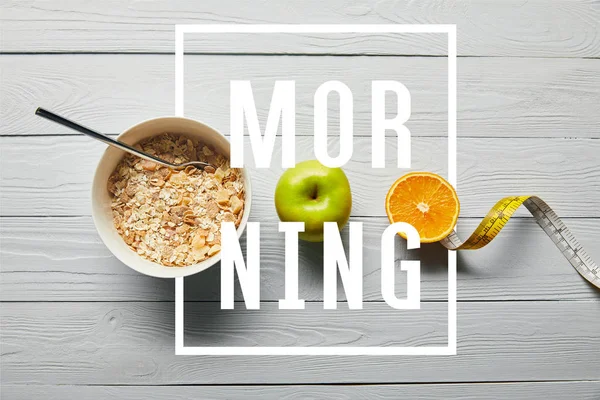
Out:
{"x": 274, "y": 221}
{"x": 438, "y": 383}
{"x": 27, "y": 135}
{"x": 33, "y": 53}
{"x": 307, "y": 301}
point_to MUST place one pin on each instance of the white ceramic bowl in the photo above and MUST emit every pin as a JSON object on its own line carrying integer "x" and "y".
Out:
{"x": 101, "y": 198}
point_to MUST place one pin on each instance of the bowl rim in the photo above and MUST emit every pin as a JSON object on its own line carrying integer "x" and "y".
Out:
{"x": 169, "y": 272}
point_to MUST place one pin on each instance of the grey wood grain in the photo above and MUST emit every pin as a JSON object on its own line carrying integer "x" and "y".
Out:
{"x": 52, "y": 175}
{"x": 63, "y": 259}
{"x": 563, "y": 28}
{"x": 133, "y": 343}
{"x": 209, "y": 326}
{"x": 73, "y": 315}
{"x": 498, "y": 97}
{"x": 582, "y": 390}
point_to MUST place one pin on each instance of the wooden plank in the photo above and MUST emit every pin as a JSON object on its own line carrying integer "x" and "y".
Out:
{"x": 208, "y": 326}
{"x": 63, "y": 259}
{"x": 589, "y": 390}
{"x": 562, "y": 28}
{"x": 52, "y": 175}
{"x": 133, "y": 343}
{"x": 497, "y": 97}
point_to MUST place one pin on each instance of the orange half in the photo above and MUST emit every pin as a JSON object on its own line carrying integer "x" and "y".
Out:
{"x": 426, "y": 201}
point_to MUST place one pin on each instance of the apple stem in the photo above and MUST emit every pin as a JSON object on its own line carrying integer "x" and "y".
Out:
{"x": 314, "y": 194}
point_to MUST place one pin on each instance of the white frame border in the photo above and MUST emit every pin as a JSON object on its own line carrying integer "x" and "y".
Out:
{"x": 180, "y": 30}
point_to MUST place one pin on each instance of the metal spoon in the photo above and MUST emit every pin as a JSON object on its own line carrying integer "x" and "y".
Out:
{"x": 110, "y": 141}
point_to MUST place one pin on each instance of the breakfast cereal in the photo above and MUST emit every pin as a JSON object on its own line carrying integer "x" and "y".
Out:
{"x": 174, "y": 217}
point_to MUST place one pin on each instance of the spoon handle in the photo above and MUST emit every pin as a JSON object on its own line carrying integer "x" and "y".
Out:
{"x": 98, "y": 136}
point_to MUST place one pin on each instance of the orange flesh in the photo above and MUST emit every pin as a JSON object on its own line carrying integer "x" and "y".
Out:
{"x": 427, "y": 202}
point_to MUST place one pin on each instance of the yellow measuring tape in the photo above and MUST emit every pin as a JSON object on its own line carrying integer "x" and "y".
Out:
{"x": 546, "y": 218}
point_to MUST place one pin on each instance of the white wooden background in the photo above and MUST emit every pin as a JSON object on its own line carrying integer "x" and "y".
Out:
{"x": 76, "y": 323}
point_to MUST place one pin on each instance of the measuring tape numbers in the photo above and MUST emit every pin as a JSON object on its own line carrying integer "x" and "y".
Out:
{"x": 546, "y": 218}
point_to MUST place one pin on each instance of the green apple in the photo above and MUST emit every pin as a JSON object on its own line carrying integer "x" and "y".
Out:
{"x": 313, "y": 193}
